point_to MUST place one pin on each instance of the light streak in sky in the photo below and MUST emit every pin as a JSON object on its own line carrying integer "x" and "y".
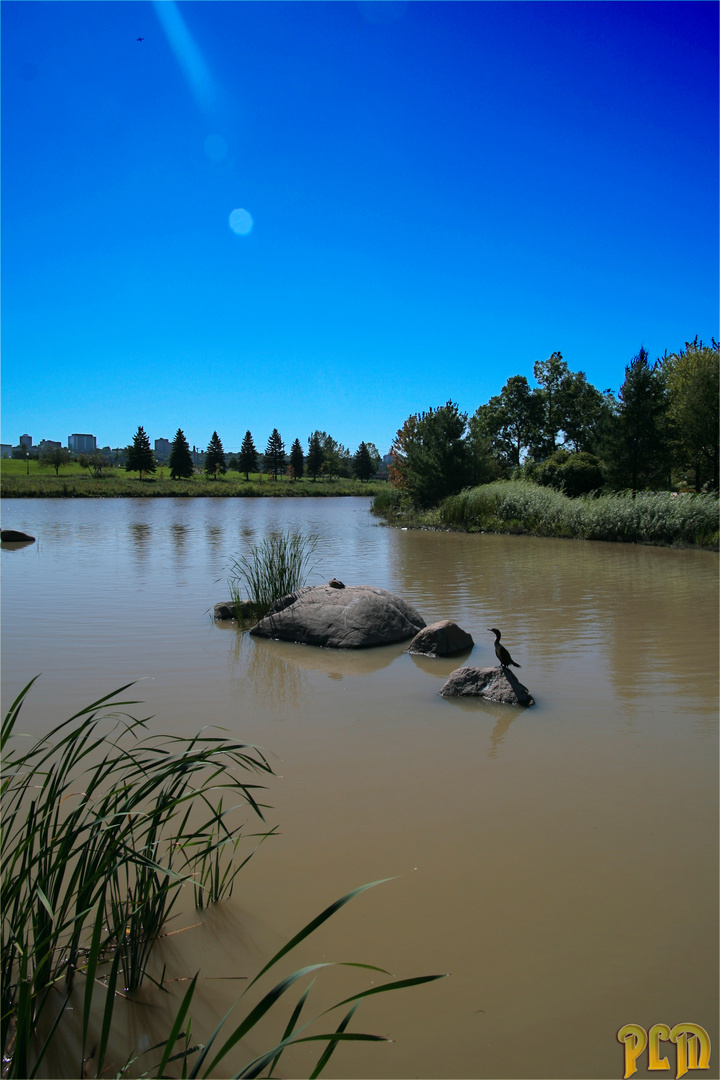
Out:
{"x": 187, "y": 53}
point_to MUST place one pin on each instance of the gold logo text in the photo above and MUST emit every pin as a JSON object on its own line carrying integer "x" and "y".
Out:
{"x": 691, "y": 1040}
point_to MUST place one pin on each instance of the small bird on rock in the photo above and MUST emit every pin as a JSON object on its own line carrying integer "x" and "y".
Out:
{"x": 500, "y": 651}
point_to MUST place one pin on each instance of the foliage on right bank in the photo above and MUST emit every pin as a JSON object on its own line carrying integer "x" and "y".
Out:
{"x": 519, "y": 506}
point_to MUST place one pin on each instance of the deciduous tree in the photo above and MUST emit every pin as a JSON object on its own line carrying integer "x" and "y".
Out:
{"x": 181, "y": 464}
{"x": 215, "y": 457}
{"x": 691, "y": 378}
{"x": 55, "y": 458}
{"x": 139, "y": 456}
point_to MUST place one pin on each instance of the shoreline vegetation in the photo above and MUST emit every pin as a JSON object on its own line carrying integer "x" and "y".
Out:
{"x": 524, "y": 508}
{"x": 23, "y": 481}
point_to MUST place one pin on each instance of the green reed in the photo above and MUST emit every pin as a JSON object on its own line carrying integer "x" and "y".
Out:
{"x": 271, "y": 569}
{"x": 102, "y": 823}
{"x": 643, "y": 518}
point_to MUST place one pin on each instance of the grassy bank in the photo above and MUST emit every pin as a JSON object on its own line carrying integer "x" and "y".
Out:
{"x": 515, "y": 506}
{"x": 76, "y": 483}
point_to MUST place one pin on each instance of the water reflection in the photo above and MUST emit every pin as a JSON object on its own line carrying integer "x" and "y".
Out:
{"x": 504, "y": 716}
{"x": 139, "y": 532}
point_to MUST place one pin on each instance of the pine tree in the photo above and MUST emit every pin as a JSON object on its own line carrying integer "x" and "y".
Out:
{"x": 140, "y": 457}
{"x": 181, "y": 465}
{"x": 637, "y": 451}
{"x": 215, "y": 457}
{"x": 275, "y": 453}
{"x": 362, "y": 463}
{"x": 297, "y": 459}
{"x": 248, "y": 459}
{"x": 315, "y": 456}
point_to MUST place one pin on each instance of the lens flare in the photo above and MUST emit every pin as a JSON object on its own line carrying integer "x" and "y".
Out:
{"x": 241, "y": 222}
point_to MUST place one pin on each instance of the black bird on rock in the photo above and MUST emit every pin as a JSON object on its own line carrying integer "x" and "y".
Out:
{"x": 500, "y": 651}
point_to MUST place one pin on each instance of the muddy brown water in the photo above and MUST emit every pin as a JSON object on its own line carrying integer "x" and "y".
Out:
{"x": 560, "y": 862}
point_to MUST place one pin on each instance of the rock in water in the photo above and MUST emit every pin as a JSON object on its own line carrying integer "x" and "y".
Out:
{"x": 493, "y": 684}
{"x": 350, "y": 618}
{"x": 440, "y": 639}
{"x": 12, "y": 536}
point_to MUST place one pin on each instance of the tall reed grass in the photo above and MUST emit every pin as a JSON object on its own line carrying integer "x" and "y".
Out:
{"x": 644, "y": 518}
{"x": 102, "y": 824}
{"x": 275, "y": 567}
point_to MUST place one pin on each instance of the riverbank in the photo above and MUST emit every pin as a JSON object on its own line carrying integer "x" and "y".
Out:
{"x": 75, "y": 483}
{"x": 659, "y": 518}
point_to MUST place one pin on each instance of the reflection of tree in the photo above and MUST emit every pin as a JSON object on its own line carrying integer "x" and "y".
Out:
{"x": 178, "y": 536}
{"x": 139, "y": 537}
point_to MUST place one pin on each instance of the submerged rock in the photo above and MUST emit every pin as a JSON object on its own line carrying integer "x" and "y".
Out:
{"x": 354, "y": 617}
{"x": 440, "y": 639}
{"x": 493, "y": 684}
{"x": 229, "y": 610}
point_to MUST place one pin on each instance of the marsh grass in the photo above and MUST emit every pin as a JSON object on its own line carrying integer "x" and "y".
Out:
{"x": 276, "y": 567}
{"x": 515, "y": 506}
{"x": 102, "y": 824}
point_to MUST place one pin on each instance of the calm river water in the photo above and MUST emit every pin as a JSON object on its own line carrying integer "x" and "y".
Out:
{"x": 560, "y": 862}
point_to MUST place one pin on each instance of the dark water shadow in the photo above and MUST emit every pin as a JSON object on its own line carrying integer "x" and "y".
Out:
{"x": 335, "y": 662}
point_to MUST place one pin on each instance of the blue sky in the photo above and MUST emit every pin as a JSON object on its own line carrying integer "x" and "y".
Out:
{"x": 441, "y": 194}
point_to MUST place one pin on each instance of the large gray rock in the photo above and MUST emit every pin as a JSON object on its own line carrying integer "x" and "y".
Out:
{"x": 440, "y": 639}
{"x": 493, "y": 684}
{"x": 349, "y": 618}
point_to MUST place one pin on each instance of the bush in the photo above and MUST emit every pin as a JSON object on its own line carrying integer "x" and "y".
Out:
{"x": 573, "y": 474}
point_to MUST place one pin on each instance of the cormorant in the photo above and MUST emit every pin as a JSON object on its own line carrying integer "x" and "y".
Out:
{"x": 500, "y": 651}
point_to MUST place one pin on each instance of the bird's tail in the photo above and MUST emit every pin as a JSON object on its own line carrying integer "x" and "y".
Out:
{"x": 514, "y": 664}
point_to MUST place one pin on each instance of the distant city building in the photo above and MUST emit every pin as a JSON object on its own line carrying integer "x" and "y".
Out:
{"x": 5, "y": 450}
{"x": 48, "y": 444}
{"x": 81, "y": 444}
{"x": 162, "y": 449}
{"x": 26, "y": 441}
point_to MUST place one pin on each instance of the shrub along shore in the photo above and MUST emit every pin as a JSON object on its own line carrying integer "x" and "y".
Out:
{"x": 515, "y": 506}
{"x": 75, "y": 483}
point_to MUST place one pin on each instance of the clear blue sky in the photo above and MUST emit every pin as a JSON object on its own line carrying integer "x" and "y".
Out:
{"x": 440, "y": 194}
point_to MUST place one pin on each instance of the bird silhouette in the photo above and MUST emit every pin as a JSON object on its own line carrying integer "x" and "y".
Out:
{"x": 140, "y": 39}
{"x": 500, "y": 651}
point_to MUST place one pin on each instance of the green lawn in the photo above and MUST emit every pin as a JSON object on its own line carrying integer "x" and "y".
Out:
{"x": 21, "y": 479}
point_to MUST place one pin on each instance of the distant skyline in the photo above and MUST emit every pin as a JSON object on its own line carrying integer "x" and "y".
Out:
{"x": 246, "y": 215}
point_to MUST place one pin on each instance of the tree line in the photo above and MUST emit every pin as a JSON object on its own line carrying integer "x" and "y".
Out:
{"x": 660, "y": 431}
{"x": 325, "y": 457}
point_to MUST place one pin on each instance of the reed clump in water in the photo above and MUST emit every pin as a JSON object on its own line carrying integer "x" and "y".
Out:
{"x": 103, "y": 824}
{"x": 277, "y": 566}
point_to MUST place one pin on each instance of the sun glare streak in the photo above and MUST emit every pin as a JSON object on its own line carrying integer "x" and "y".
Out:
{"x": 186, "y": 51}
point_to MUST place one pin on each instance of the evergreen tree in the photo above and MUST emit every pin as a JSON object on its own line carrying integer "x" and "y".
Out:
{"x": 315, "y": 456}
{"x": 181, "y": 465}
{"x": 362, "y": 463}
{"x": 248, "y": 458}
{"x": 431, "y": 458}
{"x": 140, "y": 457}
{"x": 275, "y": 454}
{"x": 297, "y": 459}
{"x": 637, "y": 450}
{"x": 215, "y": 457}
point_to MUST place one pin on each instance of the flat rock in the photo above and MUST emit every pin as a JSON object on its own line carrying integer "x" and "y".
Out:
{"x": 440, "y": 639}
{"x": 351, "y": 618}
{"x": 12, "y": 536}
{"x": 493, "y": 684}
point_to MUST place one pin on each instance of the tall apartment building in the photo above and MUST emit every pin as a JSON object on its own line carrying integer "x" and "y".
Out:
{"x": 26, "y": 442}
{"x": 162, "y": 449}
{"x": 81, "y": 444}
